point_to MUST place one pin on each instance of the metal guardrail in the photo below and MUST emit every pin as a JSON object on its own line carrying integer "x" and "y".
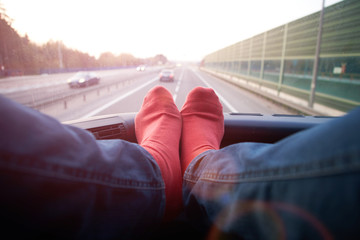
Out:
{"x": 67, "y": 95}
{"x": 272, "y": 95}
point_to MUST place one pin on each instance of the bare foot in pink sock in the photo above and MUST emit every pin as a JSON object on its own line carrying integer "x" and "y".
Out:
{"x": 158, "y": 130}
{"x": 203, "y": 124}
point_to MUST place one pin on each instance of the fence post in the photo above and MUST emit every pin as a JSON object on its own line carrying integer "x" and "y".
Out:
{"x": 316, "y": 61}
{"x": 282, "y": 63}
{"x": 262, "y": 60}
{"x": 249, "y": 60}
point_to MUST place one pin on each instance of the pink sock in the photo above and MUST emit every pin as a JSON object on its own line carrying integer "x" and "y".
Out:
{"x": 203, "y": 124}
{"x": 158, "y": 130}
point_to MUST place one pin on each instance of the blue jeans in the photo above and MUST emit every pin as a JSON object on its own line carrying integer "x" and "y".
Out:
{"x": 57, "y": 181}
{"x": 306, "y": 186}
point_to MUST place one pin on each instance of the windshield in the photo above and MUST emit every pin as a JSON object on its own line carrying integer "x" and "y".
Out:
{"x": 267, "y": 57}
{"x": 79, "y": 75}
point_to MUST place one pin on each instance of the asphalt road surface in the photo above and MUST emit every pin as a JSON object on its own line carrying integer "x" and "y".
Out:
{"x": 128, "y": 90}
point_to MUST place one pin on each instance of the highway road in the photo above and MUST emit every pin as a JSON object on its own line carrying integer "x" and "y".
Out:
{"x": 123, "y": 90}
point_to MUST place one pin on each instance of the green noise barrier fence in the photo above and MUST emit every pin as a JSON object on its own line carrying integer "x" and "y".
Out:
{"x": 281, "y": 60}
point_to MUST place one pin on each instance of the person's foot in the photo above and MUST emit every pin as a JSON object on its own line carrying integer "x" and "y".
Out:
{"x": 203, "y": 124}
{"x": 158, "y": 130}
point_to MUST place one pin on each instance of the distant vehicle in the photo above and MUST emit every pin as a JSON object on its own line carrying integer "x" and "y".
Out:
{"x": 83, "y": 79}
{"x": 166, "y": 75}
{"x": 141, "y": 68}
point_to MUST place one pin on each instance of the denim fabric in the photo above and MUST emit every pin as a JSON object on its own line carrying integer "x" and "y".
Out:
{"x": 57, "y": 181}
{"x": 306, "y": 186}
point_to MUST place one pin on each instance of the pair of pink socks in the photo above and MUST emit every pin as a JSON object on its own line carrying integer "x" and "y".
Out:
{"x": 162, "y": 130}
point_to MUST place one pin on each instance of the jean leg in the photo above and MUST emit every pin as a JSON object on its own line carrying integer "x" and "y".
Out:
{"x": 306, "y": 186}
{"x": 57, "y": 181}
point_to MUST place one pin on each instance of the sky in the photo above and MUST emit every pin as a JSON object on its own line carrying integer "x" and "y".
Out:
{"x": 182, "y": 30}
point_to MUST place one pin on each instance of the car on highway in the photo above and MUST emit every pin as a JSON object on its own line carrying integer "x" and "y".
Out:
{"x": 166, "y": 75}
{"x": 83, "y": 79}
{"x": 141, "y": 68}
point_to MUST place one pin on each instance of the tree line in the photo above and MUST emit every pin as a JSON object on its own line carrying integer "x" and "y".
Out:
{"x": 20, "y": 56}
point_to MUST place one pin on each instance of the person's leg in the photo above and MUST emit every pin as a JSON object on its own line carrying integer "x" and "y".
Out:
{"x": 158, "y": 130}
{"x": 59, "y": 182}
{"x": 306, "y": 186}
{"x": 203, "y": 124}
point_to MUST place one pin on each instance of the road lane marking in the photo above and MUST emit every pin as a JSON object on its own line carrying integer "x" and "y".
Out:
{"x": 107, "y": 105}
{"x": 222, "y": 99}
{"x": 177, "y": 88}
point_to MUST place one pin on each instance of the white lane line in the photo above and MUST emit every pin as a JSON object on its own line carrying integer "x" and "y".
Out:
{"x": 103, "y": 107}
{"x": 222, "y": 99}
{"x": 177, "y": 88}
